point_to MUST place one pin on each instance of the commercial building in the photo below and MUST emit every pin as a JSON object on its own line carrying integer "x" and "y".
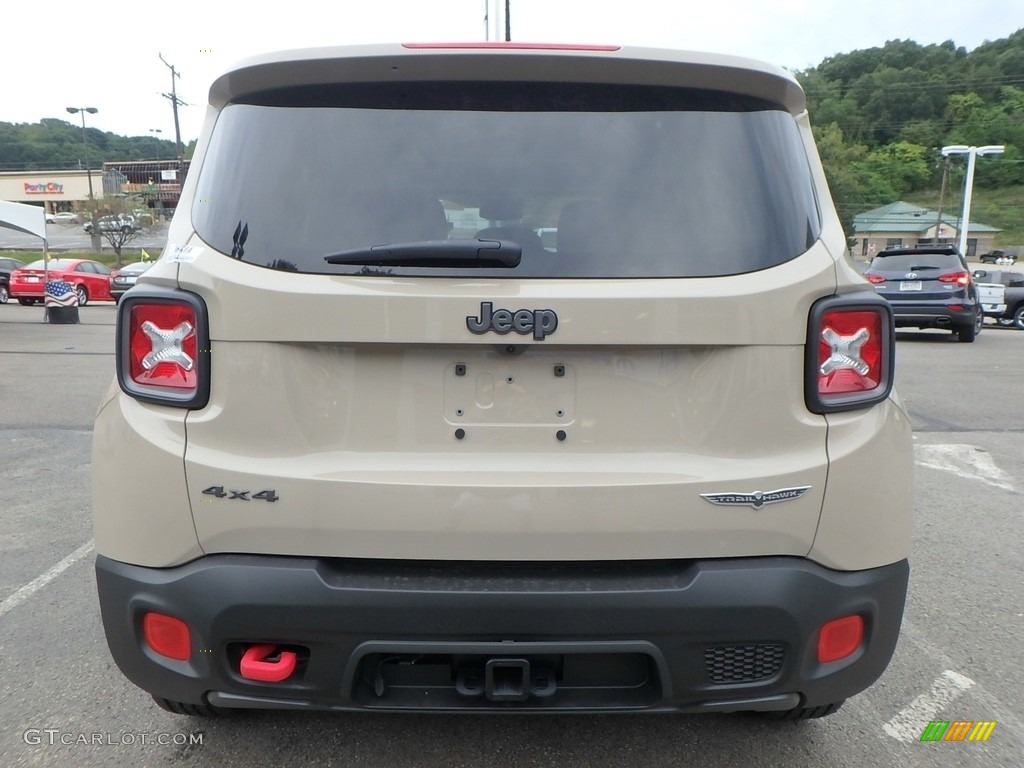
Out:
{"x": 54, "y": 190}
{"x": 904, "y": 224}
{"x": 156, "y": 184}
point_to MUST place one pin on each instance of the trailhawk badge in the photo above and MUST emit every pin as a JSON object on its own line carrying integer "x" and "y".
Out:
{"x": 539, "y": 322}
{"x": 757, "y": 499}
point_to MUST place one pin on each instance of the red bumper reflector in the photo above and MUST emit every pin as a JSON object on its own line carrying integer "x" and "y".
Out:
{"x": 258, "y": 665}
{"x": 167, "y": 636}
{"x": 840, "y": 637}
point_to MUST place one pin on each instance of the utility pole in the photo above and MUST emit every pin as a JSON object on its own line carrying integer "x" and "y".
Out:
{"x": 492, "y": 17}
{"x": 942, "y": 198}
{"x": 175, "y": 101}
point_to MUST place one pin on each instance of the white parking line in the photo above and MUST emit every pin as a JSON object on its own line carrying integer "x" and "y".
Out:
{"x": 25, "y": 592}
{"x": 964, "y": 460}
{"x": 911, "y": 721}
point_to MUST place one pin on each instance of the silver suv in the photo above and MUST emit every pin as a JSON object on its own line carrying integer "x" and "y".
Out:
{"x": 121, "y": 223}
{"x": 392, "y": 450}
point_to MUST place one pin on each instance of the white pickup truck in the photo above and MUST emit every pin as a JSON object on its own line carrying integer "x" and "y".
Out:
{"x": 1002, "y": 295}
{"x": 993, "y": 298}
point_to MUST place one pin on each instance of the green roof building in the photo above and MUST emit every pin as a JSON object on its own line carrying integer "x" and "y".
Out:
{"x": 904, "y": 224}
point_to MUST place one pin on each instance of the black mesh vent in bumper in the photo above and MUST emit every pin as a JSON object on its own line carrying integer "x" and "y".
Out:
{"x": 743, "y": 663}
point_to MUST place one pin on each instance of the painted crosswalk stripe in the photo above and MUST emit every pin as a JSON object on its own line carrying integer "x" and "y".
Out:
{"x": 969, "y": 461}
{"x": 25, "y": 592}
{"x": 908, "y": 724}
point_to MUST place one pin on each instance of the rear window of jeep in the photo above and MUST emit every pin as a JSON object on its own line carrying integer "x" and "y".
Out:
{"x": 588, "y": 180}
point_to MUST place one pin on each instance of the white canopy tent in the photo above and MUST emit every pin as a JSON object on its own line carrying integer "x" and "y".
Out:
{"x": 30, "y": 219}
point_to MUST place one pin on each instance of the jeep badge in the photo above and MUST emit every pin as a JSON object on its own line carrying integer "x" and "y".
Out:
{"x": 540, "y": 322}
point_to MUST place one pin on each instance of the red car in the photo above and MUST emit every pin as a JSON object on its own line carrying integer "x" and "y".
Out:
{"x": 90, "y": 279}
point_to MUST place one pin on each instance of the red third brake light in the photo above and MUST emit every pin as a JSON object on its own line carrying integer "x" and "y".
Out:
{"x": 499, "y": 45}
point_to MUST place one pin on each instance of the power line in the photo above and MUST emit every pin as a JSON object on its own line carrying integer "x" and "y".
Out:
{"x": 175, "y": 101}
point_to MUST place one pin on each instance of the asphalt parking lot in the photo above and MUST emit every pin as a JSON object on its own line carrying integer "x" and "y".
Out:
{"x": 71, "y": 237}
{"x": 960, "y": 657}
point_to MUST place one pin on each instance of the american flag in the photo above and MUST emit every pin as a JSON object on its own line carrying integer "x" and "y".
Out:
{"x": 60, "y": 293}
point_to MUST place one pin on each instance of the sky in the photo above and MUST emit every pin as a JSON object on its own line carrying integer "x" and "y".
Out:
{"x": 106, "y": 53}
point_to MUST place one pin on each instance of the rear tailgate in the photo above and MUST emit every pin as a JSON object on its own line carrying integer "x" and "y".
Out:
{"x": 992, "y": 297}
{"x": 360, "y": 417}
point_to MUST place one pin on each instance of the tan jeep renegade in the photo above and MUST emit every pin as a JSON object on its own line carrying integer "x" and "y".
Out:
{"x": 393, "y": 450}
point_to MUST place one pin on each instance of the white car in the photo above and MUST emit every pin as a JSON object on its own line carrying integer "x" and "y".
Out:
{"x": 64, "y": 217}
{"x": 123, "y": 223}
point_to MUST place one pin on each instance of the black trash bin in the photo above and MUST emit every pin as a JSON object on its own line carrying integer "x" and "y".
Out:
{"x": 62, "y": 315}
{"x": 61, "y": 302}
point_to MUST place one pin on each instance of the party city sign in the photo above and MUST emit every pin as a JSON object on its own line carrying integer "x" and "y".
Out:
{"x": 43, "y": 188}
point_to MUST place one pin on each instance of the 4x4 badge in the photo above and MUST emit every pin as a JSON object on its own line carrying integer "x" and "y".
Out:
{"x": 757, "y": 499}
{"x": 539, "y": 322}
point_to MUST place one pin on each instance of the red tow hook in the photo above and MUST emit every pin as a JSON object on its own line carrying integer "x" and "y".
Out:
{"x": 257, "y": 664}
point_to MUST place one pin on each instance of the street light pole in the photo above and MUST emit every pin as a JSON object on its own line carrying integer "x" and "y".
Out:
{"x": 85, "y": 143}
{"x": 156, "y": 130}
{"x": 972, "y": 153}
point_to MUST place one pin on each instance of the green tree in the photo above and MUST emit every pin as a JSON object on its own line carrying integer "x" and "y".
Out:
{"x": 54, "y": 144}
{"x": 854, "y": 185}
{"x": 121, "y": 227}
{"x": 906, "y": 167}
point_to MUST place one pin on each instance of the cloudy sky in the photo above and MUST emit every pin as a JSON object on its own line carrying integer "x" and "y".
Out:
{"x": 105, "y": 53}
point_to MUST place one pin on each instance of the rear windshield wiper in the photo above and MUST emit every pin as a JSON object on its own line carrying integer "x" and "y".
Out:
{"x": 434, "y": 253}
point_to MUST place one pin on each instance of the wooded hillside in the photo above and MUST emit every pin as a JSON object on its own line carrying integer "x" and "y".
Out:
{"x": 881, "y": 115}
{"x": 54, "y": 145}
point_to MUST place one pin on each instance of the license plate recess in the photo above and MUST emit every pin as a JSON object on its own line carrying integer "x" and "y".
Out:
{"x": 513, "y": 391}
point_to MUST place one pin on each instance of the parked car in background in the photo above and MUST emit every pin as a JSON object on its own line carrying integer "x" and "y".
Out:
{"x": 992, "y": 297}
{"x": 122, "y": 223}
{"x": 998, "y": 257}
{"x": 91, "y": 280}
{"x": 928, "y": 287}
{"x": 124, "y": 278}
{"x": 1010, "y": 310}
{"x": 144, "y": 218}
{"x": 7, "y": 265}
{"x": 64, "y": 217}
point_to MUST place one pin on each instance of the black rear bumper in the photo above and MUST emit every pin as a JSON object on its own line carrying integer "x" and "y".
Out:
{"x": 374, "y": 635}
{"x": 934, "y": 315}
